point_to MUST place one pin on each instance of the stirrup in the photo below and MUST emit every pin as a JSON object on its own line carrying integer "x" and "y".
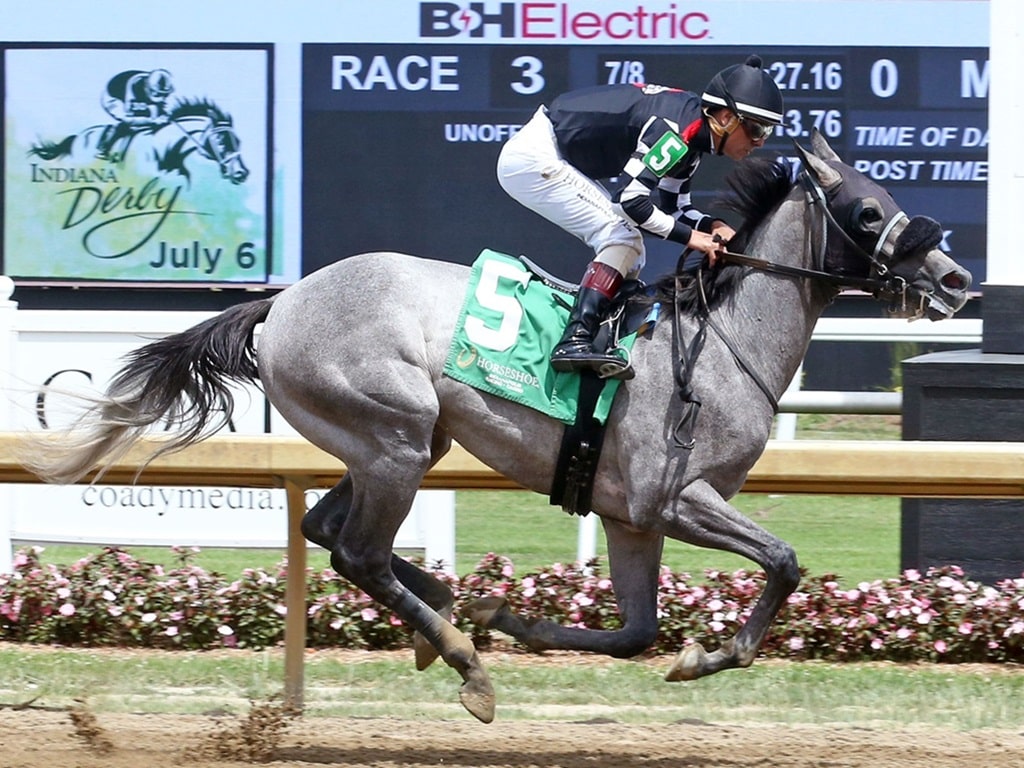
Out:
{"x": 614, "y": 369}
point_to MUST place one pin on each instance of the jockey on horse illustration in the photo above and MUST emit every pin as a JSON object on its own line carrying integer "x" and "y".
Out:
{"x": 138, "y": 101}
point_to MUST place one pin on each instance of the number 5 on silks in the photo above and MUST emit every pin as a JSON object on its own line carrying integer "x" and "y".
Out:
{"x": 666, "y": 152}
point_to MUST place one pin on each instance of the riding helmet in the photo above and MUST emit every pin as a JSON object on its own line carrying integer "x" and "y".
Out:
{"x": 158, "y": 83}
{"x": 747, "y": 90}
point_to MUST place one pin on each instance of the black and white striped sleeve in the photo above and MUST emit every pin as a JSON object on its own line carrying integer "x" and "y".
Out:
{"x": 661, "y": 206}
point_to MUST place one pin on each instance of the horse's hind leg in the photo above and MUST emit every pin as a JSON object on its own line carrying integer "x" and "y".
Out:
{"x": 362, "y": 554}
{"x": 375, "y": 408}
{"x": 322, "y": 525}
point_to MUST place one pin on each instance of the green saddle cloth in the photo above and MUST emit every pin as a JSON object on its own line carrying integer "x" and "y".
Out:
{"x": 509, "y": 323}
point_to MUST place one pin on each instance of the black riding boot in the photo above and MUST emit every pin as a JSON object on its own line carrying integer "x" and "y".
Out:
{"x": 576, "y": 349}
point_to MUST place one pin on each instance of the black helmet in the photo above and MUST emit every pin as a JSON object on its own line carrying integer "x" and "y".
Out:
{"x": 747, "y": 90}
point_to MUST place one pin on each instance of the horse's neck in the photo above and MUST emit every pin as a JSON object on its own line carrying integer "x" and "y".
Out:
{"x": 772, "y": 316}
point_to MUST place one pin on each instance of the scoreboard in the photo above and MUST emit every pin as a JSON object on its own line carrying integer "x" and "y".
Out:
{"x": 400, "y": 141}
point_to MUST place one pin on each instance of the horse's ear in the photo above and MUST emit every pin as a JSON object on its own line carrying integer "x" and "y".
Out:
{"x": 827, "y": 176}
{"x": 821, "y": 147}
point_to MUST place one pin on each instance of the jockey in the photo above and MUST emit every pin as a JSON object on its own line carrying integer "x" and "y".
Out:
{"x": 138, "y": 101}
{"x": 652, "y": 139}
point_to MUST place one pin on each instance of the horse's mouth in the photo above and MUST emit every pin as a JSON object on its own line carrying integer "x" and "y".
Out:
{"x": 936, "y": 308}
{"x": 926, "y": 304}
{"x": 936, "y": 300}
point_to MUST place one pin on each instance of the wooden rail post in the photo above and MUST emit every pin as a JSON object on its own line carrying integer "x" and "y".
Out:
{"x": 295, "y": 594}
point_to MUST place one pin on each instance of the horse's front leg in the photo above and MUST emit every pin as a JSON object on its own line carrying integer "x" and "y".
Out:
{"x": 705, "y": 519}
{"x": 634, "y": 560}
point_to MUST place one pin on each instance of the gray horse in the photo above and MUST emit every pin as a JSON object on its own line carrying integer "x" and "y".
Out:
{"x": 362, "y": 379}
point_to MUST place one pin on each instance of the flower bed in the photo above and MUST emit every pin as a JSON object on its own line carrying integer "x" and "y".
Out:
{"x": 115, "y": 599}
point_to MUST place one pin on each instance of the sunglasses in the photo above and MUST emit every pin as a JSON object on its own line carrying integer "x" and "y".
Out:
{"x": 756, "y": 130}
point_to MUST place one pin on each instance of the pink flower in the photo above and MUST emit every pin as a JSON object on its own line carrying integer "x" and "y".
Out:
{"x": 1017, "y": 628}
{"x": 225, "y": 630}
{"x": 965, "y": 628}
{"x": 171, "y": 631}
{"x": 369, "y": 614}
{"x": 67, "y": 610}
{"x": 940, "y": 646}
{"x": 796, "y": 643}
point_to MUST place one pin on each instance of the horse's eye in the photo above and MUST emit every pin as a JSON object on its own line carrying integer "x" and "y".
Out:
{"x": 870, "y": 215}
{"x": 866, "y": 214}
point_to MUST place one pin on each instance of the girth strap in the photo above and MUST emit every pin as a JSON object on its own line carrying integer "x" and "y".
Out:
{"x": 573, "y": 486}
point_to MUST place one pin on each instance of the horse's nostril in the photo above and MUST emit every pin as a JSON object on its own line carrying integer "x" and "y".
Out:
{"x": 955, "y": 281}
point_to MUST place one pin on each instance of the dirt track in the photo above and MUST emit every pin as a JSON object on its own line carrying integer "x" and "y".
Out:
{"x": 47, "y": 739}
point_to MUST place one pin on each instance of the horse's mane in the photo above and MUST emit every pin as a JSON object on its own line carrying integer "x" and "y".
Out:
{"x": 756, "y": 187}
{"x": 199, "y": 108}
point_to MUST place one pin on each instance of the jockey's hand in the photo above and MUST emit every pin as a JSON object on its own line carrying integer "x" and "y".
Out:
{"x": 162, "y": 119}
{"x": 710, "y": 245}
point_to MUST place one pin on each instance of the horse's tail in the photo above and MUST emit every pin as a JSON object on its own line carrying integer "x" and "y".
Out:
{"x": 182, "y": 381}
{"x": 48, "y": 150}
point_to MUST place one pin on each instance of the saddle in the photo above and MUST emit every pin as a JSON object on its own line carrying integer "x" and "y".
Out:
{"x": 580, "y": 451}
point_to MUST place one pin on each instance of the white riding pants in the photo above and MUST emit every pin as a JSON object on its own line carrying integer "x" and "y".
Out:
{"x": 532, "y": 171}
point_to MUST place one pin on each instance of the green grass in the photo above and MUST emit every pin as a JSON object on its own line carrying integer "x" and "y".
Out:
{"x": 856, "y": 538}
{"x": 350, "y": 684}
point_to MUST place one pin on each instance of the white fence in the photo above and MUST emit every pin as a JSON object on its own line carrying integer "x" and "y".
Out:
{"x": 81, "y": 349}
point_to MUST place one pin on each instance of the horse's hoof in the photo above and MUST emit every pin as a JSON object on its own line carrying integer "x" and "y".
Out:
{"x": 478, "y": 699}
{"x": 689, "y": 664}
{"x": 484, "y": 610}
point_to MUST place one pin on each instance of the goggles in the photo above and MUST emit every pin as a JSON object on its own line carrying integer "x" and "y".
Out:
{"x": 756, "y": 130}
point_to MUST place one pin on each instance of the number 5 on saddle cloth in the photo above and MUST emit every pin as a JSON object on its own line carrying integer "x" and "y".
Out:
{"x": 512, "y": 317}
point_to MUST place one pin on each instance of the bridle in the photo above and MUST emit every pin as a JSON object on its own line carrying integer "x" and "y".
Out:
{"x": 881, "y": 282}
{"x": 212, "y": 148}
